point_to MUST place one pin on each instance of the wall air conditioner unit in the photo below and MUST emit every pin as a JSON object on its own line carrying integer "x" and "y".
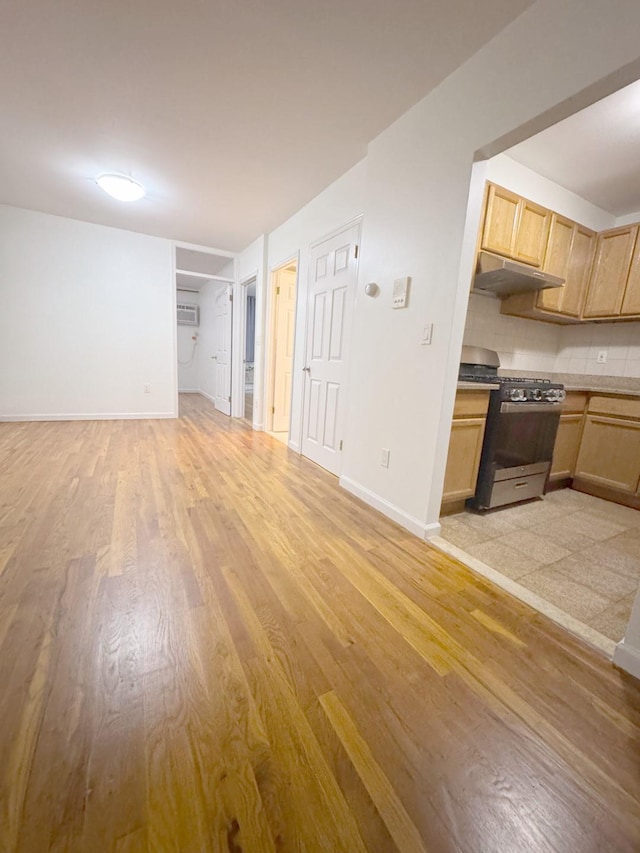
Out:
{"x": 188, "y": 315}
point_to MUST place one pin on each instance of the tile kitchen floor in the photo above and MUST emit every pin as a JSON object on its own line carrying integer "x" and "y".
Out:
{"x": 580, "y": 553}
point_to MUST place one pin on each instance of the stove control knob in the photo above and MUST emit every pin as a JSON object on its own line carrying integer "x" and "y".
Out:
{"x": 517, "y": 395}
{"x": 536, "y": 394}
{"x": 561, "y": 394}
{"x": 551, "y": 395}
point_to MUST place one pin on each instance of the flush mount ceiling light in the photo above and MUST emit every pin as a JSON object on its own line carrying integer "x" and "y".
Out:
{"x": 121, "y": 187}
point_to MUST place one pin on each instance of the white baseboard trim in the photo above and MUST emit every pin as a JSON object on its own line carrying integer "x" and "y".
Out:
{"x": 98, "y": 416}
{"x": 188, "y": 390}
{"x": 295, "y": 446}
{"x": 628, "y": 658}
{"x": 414, "y": 525}
{"x": 208, "y": 396}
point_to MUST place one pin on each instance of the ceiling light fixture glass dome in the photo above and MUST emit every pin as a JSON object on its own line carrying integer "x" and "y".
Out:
{"x": 121, "y": 187}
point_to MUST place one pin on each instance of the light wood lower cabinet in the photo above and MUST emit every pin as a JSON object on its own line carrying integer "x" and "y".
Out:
{"x": 566, "y": 449}
{"x": 609, "y": 460}
{"x": 567, "y": 443}
{"x": 465, "y": 445}
{"x": 610, "y": 453}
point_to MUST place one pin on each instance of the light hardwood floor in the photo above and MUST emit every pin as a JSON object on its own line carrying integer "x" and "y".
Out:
{"x": 207, "y": 645}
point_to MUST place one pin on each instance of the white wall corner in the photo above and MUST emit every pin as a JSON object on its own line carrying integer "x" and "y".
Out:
{"x": 413, "y": 525}
{"x": 627, "y": 657}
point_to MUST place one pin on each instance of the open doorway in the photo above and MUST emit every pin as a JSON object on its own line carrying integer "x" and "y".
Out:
{"x": 204, "y": 281}
{"x": 562, "y": 209}
{"x": 284, "y": 281}
{"x": 249, "y": 349}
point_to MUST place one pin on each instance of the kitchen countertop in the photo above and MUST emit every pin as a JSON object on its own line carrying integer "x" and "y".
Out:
{"x": 627, "y": 386}
{"x": 624, "y": 385}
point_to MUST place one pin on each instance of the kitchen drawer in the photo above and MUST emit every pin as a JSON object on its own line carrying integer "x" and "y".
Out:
{"x": 575, "y": 402}
{"x": 518, "y": 489}
{"x": 620, "y": 407}
{"x": 471, "y": 404}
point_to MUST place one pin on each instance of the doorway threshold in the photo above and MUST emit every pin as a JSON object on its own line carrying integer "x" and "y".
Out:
{"x": 565, "y": 620}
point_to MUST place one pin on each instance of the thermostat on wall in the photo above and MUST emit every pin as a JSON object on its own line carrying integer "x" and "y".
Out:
{"x": 400, "y": 292}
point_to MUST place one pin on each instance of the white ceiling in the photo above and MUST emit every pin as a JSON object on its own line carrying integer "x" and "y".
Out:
{"x": 594, "y": 153}
{"x": 233, "y": 115}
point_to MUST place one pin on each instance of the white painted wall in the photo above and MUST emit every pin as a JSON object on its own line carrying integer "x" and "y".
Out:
{"x": 334, "y": 207}
{"x": 188, "y": 355}
{"x": 418, "y": 172}
{"x": 87, "y": 318}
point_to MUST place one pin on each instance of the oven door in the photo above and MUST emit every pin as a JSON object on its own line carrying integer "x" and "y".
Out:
{"x": 524, "y": 438}
{"x": 517, "y": 452}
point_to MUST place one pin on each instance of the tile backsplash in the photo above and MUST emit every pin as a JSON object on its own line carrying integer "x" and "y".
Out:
{"x": 521, "y": 344}
{"x": 532, "y": 345}
{"x": 580, "y": 345}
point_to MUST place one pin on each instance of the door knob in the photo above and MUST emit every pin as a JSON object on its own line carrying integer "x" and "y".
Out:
{"x": 215, "y": 356}
{"x": 307, "y": 369}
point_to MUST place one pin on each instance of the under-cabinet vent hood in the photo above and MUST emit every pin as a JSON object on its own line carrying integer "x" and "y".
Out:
{"x": 505, "y": 277}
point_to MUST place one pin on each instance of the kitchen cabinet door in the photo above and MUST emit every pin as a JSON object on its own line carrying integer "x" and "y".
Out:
{"x": 501, "y": 219}
{"x": 532, "y": 231}
{"x": 631, "y": 301}
{"x": 614, "y": 252}
{"x": 565, "y": 452}
{"x": 556, "y": 261}
{"x": 610, "y": 453}
{"x": 570, "y": 255}
{"x": 577, "y": 278}
{"x": 463, "y": 461}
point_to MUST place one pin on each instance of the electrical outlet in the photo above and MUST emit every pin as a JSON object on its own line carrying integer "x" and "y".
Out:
{"x": 602, "y": 357}
{"x": 384, "y": 457}
{"x": 147, "y": 387}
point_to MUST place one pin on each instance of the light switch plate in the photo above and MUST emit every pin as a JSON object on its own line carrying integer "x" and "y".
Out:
{"x": 427, "y": 334}
{"x": 400, "y": 292}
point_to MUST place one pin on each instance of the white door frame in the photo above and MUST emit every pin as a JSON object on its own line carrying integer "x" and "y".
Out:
{"x": 356, "y": 220}
{"x": 270, "y": 354}
{"x": 239, "y": 347}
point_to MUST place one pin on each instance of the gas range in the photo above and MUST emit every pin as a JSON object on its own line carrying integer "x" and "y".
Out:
{"x": 522, "y": 422}
{"x": 519, "y": 389}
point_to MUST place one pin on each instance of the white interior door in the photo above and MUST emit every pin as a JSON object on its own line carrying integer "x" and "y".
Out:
{"x": 223, "y": 350}
{"x": 332, "y": 282}
{"x": 284, "y": 335}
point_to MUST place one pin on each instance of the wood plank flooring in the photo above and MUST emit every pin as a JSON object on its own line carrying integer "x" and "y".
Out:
{"x": 207, "y": 645}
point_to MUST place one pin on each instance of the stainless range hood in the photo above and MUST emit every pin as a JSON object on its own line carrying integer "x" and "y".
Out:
{"x": 505, "y": 277}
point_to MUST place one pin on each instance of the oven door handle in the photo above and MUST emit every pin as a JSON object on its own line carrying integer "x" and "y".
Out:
{"x": 523, "y": 408}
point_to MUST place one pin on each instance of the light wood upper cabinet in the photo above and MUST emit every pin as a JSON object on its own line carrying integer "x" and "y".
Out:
{"x": 515, "y": 227}
{"x": 556, "y": 261}
{"x": 577, "y": 277}
{"x": 601, "y": 271}
{"x": 611, "y": 267}
{"x": 500, "y": 221}
{"x": 631, "y": 301}
{"x": 569, "y": 254}
{"x": 532, "y": 233}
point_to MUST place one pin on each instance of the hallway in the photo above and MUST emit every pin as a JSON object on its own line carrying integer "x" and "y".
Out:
{"x": 207, "y": 645}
